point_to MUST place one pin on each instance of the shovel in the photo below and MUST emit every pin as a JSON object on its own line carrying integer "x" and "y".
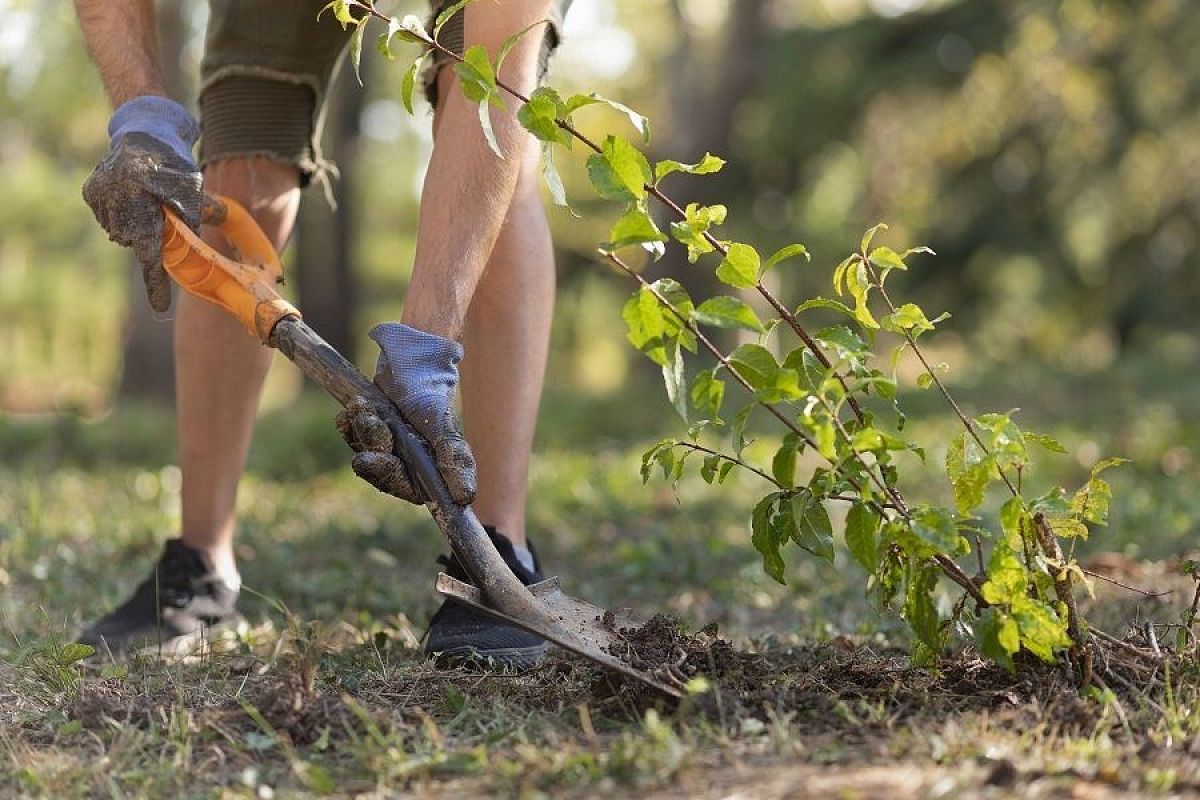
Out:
{"x": 244, "y": 286}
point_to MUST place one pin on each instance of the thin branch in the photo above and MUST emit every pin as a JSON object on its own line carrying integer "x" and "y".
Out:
{"x": 731, "y": 459}
{"x": 1115, "y": 582}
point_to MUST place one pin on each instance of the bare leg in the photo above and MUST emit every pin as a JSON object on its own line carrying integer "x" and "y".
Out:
{"x": 506, "y": 339}
{"x": 220, "y": 369}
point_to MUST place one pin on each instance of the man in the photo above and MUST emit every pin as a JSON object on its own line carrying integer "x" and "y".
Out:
{"x": 483, "y": 275}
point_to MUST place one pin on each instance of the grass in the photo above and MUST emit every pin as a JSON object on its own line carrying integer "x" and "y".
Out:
{"x": 325, "y": 692}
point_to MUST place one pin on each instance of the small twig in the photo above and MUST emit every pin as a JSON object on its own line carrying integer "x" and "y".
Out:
{"x": 1148, "y": 631}
{"x": 1143, "y": 693}
{"x": 1115, "y": 582}
{"x": 1120, "y": 644}
{"x": 1191, "y": 615}
{"x": 729, "y": 458}
{"x": 1062, "y": 581}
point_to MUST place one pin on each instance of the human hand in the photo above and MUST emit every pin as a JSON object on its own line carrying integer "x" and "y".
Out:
{"x": 149, "y": 164}
{"x": 418, "y": 372}
{"x": 374, "y": 459}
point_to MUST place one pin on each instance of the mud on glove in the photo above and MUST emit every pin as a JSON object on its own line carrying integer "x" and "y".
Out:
{"x": 149, "y": 163}
{"x": 418, "y": 372}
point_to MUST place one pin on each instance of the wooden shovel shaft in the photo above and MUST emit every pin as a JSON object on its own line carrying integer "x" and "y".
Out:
{"x": 319, "y": 361}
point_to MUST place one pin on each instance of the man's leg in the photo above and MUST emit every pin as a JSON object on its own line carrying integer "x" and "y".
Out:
{"x": 220, "y": 368}
{"x": 506, "y": 340}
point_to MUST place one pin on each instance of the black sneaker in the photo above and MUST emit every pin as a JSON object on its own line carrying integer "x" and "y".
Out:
{"x": 459, "y": 634}
{"x": 173, "y": 612}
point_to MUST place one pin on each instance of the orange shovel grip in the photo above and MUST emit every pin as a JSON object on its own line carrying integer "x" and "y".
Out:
{"x": 243, "y": 285}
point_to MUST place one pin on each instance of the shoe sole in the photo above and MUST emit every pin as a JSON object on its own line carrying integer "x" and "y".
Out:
{"x": 219, "y": 638}
{"x": 507, "y": 658}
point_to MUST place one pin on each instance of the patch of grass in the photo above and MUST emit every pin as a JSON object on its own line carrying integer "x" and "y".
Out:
{"x": 326, "y": 692}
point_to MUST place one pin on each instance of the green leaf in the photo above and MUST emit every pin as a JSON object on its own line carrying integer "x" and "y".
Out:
{"x": 869, "y": 235}
{"x": 755, "y": 364}
{"x": 1013, "y": 517}
{"x": 691, "y": 230}
{"x": 764, "y": 537}
{"x": 485, "y": 122}
{"x": 541, "y": 114}
{"x": 737, "y": 431}
{"x": 74, "y": 652}
{"x": 674, "y": 380}
{"x": 908, "y": 318}
{"x": 728, "y": 312}
{"x": 862, "y": 527}
{"x": 1007, "y": 577}
{"x": 839, "y": 273}
{"x": 646, "y": 326}
{"x": 341, "y": 12}
{"x": 1048, "y": 442}
{"x": 1068, "y": 528}
{"x": 638, "y": 121}
{"x": 998, "y": 637}
{"x": 812, "y": 529}
{"x": 708, "y": 393}
{"x": 708, "y": 470}
{"x": 1091, "y": 503}
{"x": 971, "y": 485}
{"x": 409, "y": 82}
{"x": 963, "y": 454}
{"x": 919, "y": 609}
{"x": 511, "y": 42}
{"x": 885, "y": 258}
{"x": 650, "y": 457}
{"x": 356, "y": 41}
{"x": 866, "y": 440}
{"x": 858, "y": 284}
{"x": 784, "y": 253}
{"x": 844, "y": 345}
{"x": 1108, "y": 463}
{"x": 634, "y": 227}
{"x": 704, "y": 166}
{"x": 783, "y": 464}
{"x": 1042, "y": 631}
{"x": 1052, "y": 504}
{"x": 619, "y": 171}
{"x": 554, "y": 184}
{"x": 446, "y": 14}
{"x": 821, "y": 302}
{"x": 933, "y": 532}
{"x": 740, "y": 267}
{"x": 476, "y": 75}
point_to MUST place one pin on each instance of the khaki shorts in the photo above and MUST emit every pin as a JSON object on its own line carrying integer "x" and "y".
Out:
{"x": 267, "y": 65}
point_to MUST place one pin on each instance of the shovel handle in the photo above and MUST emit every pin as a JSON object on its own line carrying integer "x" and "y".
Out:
{"x": 243, "y": 285}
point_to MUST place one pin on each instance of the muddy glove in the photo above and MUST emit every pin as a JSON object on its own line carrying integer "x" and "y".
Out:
{"x": 371, "y": 440}
{"x": 418, "y": 372}
{"x": 149, "y": 163}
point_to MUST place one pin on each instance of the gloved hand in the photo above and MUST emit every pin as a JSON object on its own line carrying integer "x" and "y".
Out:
{"x": 149, "y": 163}
{"x": 371, "y": 440}
{"x": 418, "y": 372}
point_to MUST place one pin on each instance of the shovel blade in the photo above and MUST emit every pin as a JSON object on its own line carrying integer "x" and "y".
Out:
{"x": 578, "y": 626}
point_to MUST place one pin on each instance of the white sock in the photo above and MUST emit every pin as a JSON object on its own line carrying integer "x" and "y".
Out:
{"x": 525, "y": 557}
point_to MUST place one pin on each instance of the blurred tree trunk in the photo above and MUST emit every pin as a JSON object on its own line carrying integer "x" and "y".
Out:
{"x": 706, "y": 86}
{"x": 325, "y": 272}
{"x": 147, "y": 358}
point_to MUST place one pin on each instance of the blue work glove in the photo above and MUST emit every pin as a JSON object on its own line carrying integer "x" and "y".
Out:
{"x": 149, "y": 164}
{"x": 418, "y": 372}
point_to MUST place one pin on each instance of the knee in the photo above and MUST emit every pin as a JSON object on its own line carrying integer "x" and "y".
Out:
{"x": 269, "y": 190}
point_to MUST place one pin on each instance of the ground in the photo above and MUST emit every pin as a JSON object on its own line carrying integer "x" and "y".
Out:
{"x": 809, "y": 691}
